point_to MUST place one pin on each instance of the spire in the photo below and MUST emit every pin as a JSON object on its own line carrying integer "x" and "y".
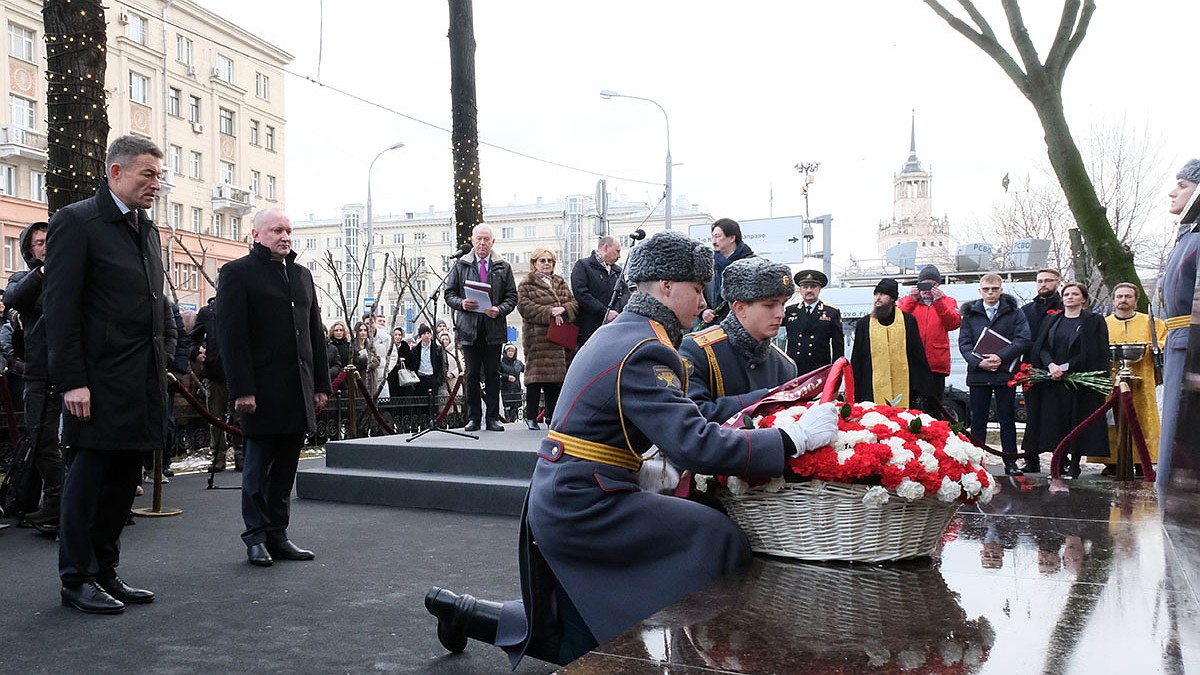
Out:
{"x": 913, "y": 165}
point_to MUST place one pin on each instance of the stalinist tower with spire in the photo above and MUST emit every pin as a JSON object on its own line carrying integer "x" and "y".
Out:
{"x": 912, "y": 212}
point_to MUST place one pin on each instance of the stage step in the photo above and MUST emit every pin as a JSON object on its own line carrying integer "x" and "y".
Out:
{"x": 436, "y": 471}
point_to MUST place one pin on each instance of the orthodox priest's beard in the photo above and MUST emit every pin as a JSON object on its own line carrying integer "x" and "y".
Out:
{"x": 884, "y": 315}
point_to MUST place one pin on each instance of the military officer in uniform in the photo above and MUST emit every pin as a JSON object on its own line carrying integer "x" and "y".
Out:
{"x": 735, "y": 363}
{"x": 814, "y": 328}
{"x": 598, "y": 554}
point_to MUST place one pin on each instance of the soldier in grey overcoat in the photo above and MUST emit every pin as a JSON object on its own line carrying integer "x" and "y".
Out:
{"x": 598, "y": 554}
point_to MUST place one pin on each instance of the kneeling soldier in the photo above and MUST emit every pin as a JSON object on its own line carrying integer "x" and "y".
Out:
{"x": 597, "y": 553}
{"x": 734, "y": 364}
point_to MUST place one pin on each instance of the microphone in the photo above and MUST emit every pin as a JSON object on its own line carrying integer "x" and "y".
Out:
{"x": 637, "y": 235}
{"x": 462, "y": 250}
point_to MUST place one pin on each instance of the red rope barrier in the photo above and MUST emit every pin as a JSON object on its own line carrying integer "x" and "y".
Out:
{"x": 450, "y": 401}
{"x": 1061, "y": 448}
{"x": 387, "y": 426}
{"x": 199, "y": 407}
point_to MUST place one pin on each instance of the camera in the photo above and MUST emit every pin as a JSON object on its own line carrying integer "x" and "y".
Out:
{"x": 924, "y": 285}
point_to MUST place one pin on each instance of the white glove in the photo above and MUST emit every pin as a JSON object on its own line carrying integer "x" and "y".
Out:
{"x": 817, "y": 428}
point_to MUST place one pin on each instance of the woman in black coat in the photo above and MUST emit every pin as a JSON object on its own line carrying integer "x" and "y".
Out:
{"x": 339, "y": 337}
{"x": 1073, "y": 341}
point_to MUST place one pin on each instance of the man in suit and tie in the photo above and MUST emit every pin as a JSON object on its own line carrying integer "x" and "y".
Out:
{"x": 988, "y": 372}
{"x": 814, "y": 328}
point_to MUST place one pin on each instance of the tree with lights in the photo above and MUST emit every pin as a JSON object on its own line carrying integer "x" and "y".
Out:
{"x": 464, "y": 135}
{"x": 76, "y": 56}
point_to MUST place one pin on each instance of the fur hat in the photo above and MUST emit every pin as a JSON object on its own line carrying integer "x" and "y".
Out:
{"x": 930, "y": 273}
{"x": 888, "y": 287}
{"x": 670, "y": 256}
{"x": 756, "y": 278}
{"x": 1190, "y": 171}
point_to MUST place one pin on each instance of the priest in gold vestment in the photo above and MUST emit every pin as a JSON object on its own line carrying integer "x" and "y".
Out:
{"x": 1126, "y": 324}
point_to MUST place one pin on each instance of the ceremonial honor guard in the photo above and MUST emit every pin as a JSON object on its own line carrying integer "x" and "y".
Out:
{"x": 734, "y": 364}
{"x": 597, "y": 553}
{"x": 814, "y": 328}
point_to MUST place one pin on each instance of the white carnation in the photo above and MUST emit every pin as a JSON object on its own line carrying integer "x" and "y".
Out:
{"x": 985, "y": 495}
{"x": 774, "y": 485}
{"x": 971, "y": 484}
{"x": 949, "y": 491}
{"x": 958, "y": 450}
{"x": 900, "y": 454}
{"x": 952, "y": 653}
{"x": 844, "y": 455}
{"x": 876, "y": 496}
{"x": 925, "y": 419}
{"x": 737, "y": 486}
{"x": 910, "y": 490}
{"x": 910, "y": 659}
{"x": 873, "y": 418}
{"x": 849, "y": 439}
{"x": 925, "y": 446}
{"x": 905, "y": 415}
{"x": 702, "y": 482}
{"x": 929, "y": 462}
{"x": 866, "y": 405}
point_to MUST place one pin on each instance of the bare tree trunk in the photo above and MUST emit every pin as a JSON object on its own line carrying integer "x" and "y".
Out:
{"x": 1041, "y": 83}
{"x": 468, "y": 193}
{"x": 75, "y": 107}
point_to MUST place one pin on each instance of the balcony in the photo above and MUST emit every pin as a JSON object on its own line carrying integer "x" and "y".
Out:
{"x": 232, "y": 200}
{"x": 16, "y": 141}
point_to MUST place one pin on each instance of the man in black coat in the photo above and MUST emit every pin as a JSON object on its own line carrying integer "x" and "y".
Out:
{"x": 989, "y": 370}
{"x": 274, "y": 350}
{"x": 815, "y": 337}
{"x": 595, "y": 282}
{"x": 1047, "y": 303}
{"x": 105, "y": 340}
{"x": 480, "y": 332}
{"x": 204, "y": 333}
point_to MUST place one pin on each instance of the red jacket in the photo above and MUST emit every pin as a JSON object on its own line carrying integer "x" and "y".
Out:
{"x": 934, "y": 322}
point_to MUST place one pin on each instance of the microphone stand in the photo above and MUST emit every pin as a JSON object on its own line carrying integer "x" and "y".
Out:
{"x": 433, "y": 426}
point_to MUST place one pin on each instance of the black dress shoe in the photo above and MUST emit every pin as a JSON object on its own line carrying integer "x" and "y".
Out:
{"x": 461, "y": 617}
{"x": 494, "y": 425}
{"x": 259, "y": 555}
{"x": 90, "y": 598}
{"x": 127, "y": 594}
{"x": 471, "y": 426}
{"x": 286, "y": 550}
{"x": 1010, "y": 469}
{"x": 533, "y": 425}
{"x": 1032, "y": 467}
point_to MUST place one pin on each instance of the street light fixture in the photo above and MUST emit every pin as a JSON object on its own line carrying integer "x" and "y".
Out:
{"x": 370, "y": 225}
{"x": 607, "y": 94}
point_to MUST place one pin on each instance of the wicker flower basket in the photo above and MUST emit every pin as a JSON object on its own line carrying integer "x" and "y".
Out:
{"x": 817, "y": 520}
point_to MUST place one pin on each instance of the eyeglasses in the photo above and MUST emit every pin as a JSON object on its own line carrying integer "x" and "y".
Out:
{"x": 549, "y": 260}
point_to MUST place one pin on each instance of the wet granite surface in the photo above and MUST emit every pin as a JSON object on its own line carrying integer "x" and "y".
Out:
{"x": 1089, "y": 581}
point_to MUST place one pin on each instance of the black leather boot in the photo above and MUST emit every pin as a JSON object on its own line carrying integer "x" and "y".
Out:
{"x": 461, "y": 617}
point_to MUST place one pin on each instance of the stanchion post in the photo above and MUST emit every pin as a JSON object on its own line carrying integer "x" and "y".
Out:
{"x": 351, "y": 400}
{"x": 1124, "y": 437}
{"x": 156, "y": 510}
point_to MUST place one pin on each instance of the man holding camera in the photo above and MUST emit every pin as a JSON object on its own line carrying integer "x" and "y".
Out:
{"x": 936, "y": 314}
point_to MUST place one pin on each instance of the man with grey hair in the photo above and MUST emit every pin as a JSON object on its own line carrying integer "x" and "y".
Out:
{"x": 106, "y": 354}
{"x": 596, "y": 284}
{"x": 480, "y": 325}
{"x": 275, "y": 367}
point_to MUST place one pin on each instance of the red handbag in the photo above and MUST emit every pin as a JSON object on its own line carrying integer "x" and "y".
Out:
{"x": 566, "y": 334}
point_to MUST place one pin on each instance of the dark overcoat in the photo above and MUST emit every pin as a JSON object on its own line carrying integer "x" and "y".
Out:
{"x": 621, "y": 553}
{"x": 469, "y": 325}
{"x": 1061, "y": 407}
{"x": 1009, "y": 322}
{"x": 814, "y": 341}
{"x": 594, "y": 288}
{"x": 273, "y": 345}
{"x": 734, "y": 383}
{"x": 103, "y": 292}
{"x": 545, "y": 361}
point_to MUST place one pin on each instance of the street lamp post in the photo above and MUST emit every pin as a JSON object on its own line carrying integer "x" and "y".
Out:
{"x": 370, "y": 225}
{"x": 607, "y": 94}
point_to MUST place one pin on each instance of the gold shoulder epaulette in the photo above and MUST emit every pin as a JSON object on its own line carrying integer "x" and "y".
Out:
{"x": 709, "y": 336}
{"x": 661, "y": 333}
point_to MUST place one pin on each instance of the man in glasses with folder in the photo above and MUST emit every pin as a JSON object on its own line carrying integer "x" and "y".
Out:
{"x": 992, "y": 338}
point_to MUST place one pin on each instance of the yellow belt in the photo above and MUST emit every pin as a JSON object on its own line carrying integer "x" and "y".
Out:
{"x": 1177, "y": 322}
{"x": 596, "y": 452}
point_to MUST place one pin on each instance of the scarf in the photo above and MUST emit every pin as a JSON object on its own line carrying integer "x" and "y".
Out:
{"x": 644, "y": 304}
{"x": 754, "y": 351}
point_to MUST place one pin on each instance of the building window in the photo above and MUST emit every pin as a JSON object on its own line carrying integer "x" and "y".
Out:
{"x": 174, "y": 106}
{"x": 183, "y": 49}
{"x": 398, "y": 238}
{"x": 176, "y": 216}
{"x": 224, "y": 69}
{"x": 270, "y": 134}
{"x": 530, "y": 231}
{"x": 193, "y": 108}
{"x": 310, "y": 243}
{"x": 37, "y": 186}
{"x": 227, "y": 173}
{"x": 197, "y": 163}
{"x": 8, "y": 180}
{"x": 217, "y": 224}
{"x": 24, "y": 112}
{"x": 255, "y": 180}
{"x": 10, "y": 253}
{"x": 506, "y": 233}
{"x": 175, "y": 159}
{"x": 20, "y": 42}
{"x": 139, "y": 88}
{"x": 271, "y": 189}
{"x": 197, "y": 219}
{"x": 137, "y": 29}
{"x": 262, "y": 86}
{"x": 235, "y": 228}
{"x": 445, "y": 236}
{"x": 226, "y": 121}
